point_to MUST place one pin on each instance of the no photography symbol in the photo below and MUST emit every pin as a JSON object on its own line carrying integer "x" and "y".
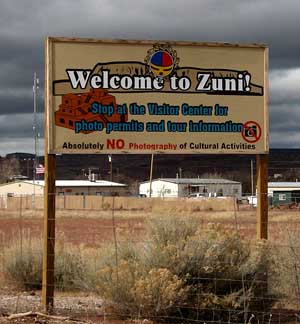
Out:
{"x": 251, "y": 132}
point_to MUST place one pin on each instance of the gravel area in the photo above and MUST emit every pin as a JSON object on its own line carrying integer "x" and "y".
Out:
{"x": 78, "y": 308}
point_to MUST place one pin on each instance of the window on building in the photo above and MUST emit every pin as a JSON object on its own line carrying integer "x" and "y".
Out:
{"x": 282, "y": 196}
{"x": 235, "y": 191}
{"x": 70, "y": 122}
{"x": 61, "y": 120}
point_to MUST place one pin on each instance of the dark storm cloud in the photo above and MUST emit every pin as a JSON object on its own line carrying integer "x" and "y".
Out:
{"x": 284, "y": 125}
{"x": 25, "y": 24}
{"x": 285, "y": 86}
{"x": 18, "y": 62}
{"x": 285, "y": 116}
{"x": 285, "y": 108}
{"x": 19, "y": 126}
{"x": 20, "y": 101}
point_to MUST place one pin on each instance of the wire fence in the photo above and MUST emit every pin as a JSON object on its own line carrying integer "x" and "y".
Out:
{"x": 154, "y": 259}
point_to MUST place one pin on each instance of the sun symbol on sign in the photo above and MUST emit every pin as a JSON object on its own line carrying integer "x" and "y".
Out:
{"x": 161, "y": 60}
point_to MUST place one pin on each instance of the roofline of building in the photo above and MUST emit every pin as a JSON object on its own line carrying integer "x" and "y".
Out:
{"x": 41, "y": 183}
{"x": 173, "y": 180}
{"x": 101, "y": 183}
{"x": 284, "y": 184}
{"x": 18, "y": 181}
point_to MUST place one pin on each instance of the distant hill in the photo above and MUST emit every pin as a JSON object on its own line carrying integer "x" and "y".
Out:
{"x": 134, "y": 167}
{"x": 20, "y": 155}
{"x": 167, "y": 165}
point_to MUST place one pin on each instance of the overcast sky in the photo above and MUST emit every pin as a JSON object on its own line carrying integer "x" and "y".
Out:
{"x": 24, "y": 24}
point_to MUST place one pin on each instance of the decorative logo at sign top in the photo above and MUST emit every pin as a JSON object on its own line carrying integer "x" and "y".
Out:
{"x": 161, "y": 60}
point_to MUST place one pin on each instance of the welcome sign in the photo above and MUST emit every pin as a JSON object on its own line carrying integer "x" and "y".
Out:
{"x": 156, "y": 97}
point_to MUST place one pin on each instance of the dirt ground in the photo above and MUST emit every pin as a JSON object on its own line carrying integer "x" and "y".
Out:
{"x": 70, "y": 307}
{"x": 92, "y": 229}
{"x": 80, "y": 230}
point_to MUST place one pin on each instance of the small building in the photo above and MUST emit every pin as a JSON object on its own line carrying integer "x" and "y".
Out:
{"x": 21, "y": 187}
{"x": 64, "y": 187}
{"x": 188, "y": 187}
{"x": 282, "y": 193}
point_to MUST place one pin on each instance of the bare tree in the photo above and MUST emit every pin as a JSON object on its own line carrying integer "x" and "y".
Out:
{"x": 8, "y": 169}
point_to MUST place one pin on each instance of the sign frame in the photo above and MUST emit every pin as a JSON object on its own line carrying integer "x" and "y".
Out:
{"x": 49, "y": 122}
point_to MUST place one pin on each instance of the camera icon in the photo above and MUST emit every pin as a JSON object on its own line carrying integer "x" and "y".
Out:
{"x": 250, "y": 131}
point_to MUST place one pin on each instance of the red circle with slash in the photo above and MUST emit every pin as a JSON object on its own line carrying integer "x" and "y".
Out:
{"x": 250, "y": 127}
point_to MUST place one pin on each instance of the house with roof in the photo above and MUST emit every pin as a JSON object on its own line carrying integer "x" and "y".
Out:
{"x": 191, "y": 187}
{"x": 282, "y": 193}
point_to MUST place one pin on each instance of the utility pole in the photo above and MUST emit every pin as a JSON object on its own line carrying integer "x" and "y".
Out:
{"x": 180, "y": 173}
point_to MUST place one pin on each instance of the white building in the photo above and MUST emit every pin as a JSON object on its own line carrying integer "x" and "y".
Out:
{"x": 185, "y": 187}
{"x": 18, "y": 188}
{"x": 64, "y": 187}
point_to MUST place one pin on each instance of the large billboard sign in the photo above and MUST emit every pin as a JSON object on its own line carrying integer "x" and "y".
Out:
{"x": 156, "y": 97}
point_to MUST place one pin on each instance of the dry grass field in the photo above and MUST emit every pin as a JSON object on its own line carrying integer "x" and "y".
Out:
{"x": 93, "y": 227}
{"x": 87, "y": 231}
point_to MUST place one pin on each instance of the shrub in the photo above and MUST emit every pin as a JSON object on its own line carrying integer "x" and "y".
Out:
{"x": 288, "y": 267}
{"x": 227, "y": 274}
{"x": 157, "y": 292}
{"x": 118, "y": 272}
{"x": 23, "y": 264}
{"x": 182, "y": 272}
{"x": 71, "y": 269}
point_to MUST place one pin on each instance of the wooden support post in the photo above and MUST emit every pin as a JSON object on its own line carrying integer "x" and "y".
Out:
{"x": 49, "y": 232}
{"x": 262, "y": 196}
